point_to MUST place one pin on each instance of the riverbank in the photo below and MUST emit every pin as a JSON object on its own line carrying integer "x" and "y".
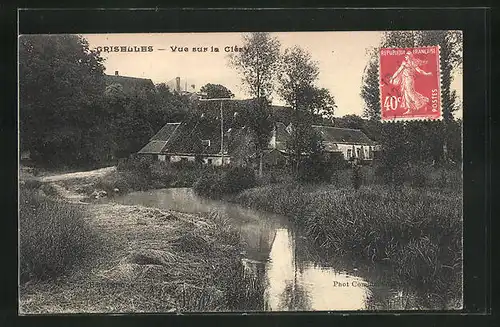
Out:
{"x": 144, "y": 259}
{"x": 415, "y": 233}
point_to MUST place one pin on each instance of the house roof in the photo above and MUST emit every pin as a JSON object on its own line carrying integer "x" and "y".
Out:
{"x": 342, "y": 135}
{"x": 153, "y": 147}
{"x": 187, "y": 138}
{"x": 129, "y": 83}
{"x": 165, "y": 132}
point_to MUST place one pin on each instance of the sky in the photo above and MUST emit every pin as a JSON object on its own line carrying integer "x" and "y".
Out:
{"x": 341, "y": 58}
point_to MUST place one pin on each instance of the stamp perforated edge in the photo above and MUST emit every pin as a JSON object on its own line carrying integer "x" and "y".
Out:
{"x": 422, "y": 118}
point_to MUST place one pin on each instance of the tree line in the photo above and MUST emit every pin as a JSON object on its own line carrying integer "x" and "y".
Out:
{"x": 70, "y": 116}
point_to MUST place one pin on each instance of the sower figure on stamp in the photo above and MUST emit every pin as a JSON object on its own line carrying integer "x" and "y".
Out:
{"x": 405, "y": 77}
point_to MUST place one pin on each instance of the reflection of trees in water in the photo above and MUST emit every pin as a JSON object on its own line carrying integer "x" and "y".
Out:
{"x": 295, "y": 297}
{"x": 247, "y": 289}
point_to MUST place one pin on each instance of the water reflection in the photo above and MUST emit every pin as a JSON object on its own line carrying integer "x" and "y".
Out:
{"x": 278, "y": 264}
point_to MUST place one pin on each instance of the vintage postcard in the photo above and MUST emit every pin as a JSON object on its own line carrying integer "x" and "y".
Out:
{"x": 240, "y": 172}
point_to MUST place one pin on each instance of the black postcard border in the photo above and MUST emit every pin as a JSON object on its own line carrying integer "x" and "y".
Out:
{"x": 477, "y": 143}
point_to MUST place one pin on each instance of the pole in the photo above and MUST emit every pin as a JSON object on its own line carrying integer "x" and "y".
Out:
{"x": 221, "y": 136}
{"x": 221, "y": 125}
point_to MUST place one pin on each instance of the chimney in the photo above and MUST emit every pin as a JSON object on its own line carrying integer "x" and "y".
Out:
{"x": 116, "y": 73}
{"x": 178, "y": 84}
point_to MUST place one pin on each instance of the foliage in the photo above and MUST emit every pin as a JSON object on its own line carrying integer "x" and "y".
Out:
{"x": 258, "y": 63}
{"x": 61, "y": 81}
{"x": 258, "y": 118}
{"x": 70, "y": 118}
{"x": 237, "y": 179}
{"x": 54, "y": 236}
{"x": 218, "y": 184}
{"x": 145, "y": 173}
{"x": 216, "y": 91}
{"x": 297, "y": 74}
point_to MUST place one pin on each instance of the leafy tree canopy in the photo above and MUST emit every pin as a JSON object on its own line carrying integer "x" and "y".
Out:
{"x": 216, "y": 91}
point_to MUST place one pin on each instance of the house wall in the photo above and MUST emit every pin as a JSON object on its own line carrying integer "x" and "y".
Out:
{"x": 216, "y": 161}
{"x": 365, "y": 150}
{"x": 179, "y": 158}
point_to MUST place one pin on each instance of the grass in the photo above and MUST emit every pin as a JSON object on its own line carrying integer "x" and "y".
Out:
{"x": 416, "y": 233}
{"x": 54, "y": 235}
{"x": 151, "y": 260}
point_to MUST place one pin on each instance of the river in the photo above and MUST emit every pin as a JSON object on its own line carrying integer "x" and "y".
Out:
{"x": 293, "y": 275}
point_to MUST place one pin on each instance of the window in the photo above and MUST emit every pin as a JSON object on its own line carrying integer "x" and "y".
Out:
{"x": 184, "y": 159}
{"x": 210, "y": 161}
{"x": 205, "y": 143}
{"x": 349, "y": 153}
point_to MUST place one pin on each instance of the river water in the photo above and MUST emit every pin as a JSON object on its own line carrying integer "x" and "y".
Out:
{"x": 293, "y": 275}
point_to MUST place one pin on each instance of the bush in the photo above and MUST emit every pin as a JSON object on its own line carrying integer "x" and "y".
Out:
{"x": 143, "y": 173}
{"x": 162, "y": 173}
{"x": 123, "y": 181}
{"x": 216, "y": 184}
{"x": 53, "y": 236}
{"x": 237, "y": 179}
{"x": 208, "y": 185}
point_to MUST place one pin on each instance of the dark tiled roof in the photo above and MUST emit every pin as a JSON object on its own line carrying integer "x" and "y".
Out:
{"x": 186, "y": 137}
{"x": 130, "y": 83}
{"x": 342, "y": 135}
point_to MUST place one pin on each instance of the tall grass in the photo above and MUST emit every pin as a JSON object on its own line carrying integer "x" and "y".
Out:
{"x": 415, "y": 232}
{"x": 54, "y": 236}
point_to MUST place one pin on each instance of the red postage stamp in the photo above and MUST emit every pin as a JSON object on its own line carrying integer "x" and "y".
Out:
{"x": 410, "y": 85}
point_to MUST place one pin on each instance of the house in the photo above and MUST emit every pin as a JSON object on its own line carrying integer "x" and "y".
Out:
{"x": 350, "y": 143}
{"x": 188, "y": 142}
{"x": 130, "y": 84}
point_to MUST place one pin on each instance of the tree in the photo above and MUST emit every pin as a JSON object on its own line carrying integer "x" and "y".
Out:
{"x": 297, "y": 75}
{"x": 319, "y": 102}
{"x": 257, "y": 65}
{"x": 61, "y": 82}
{"x": 216, "y": 91}
{"x": 350, "y": 121}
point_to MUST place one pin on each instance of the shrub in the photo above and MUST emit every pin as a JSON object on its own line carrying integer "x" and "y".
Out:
{"x": 123, "y": 181}
{"x": 53, "y": 236}
{"x": 162, "y": 173}
{"x": 208, "y": 185}
{"x": 216, "y": 184}
{"x": 237, "y": 179}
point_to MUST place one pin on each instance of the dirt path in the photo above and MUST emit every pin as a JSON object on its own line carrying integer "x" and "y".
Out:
{"x": 98, "y": 173}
